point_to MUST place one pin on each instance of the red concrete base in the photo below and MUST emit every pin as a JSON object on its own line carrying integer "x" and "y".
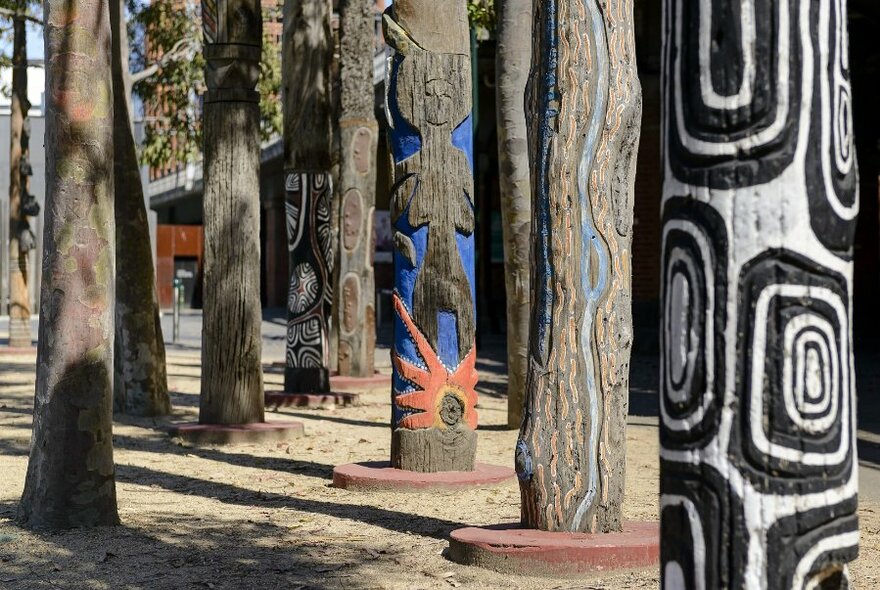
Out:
{"x": 512, "y": 550}
{"x": 380, "y": 476}
{"x": 278, "y": 399}
{"x": 376, "y": 381}
{"x": 218, "y": 434}
{"x": 25, "y": 351}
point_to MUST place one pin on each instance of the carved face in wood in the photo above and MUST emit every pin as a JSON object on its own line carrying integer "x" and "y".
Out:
{"x": 440, "y": 103}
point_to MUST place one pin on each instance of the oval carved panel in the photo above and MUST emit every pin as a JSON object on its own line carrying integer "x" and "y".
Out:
{"x": 352, "y": 218}
{"x": 361, "y": 145}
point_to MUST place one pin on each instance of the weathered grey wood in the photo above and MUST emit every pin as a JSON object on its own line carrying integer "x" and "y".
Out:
{"x": 140, "y": 383}
{"x": 70, "y": 475}
{"x": 355, "y": 288}
{"x": 513, "y": 59}
{"x": 306, "y": 57}
{"x": 759, "y": 476}
{"x": 19, "y": 228}
{"x": 232, "y": 376}
{"x": 584, "y": 114}
{"x": 433, "y": 419}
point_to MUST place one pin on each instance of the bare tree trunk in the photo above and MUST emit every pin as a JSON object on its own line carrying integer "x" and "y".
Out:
{"x": 513, "y": 58}
{"x": 429, "y": 103}
{"x": 70, "y": 476}
{"x": 20, "y": 236}
{"x": 584, "y": 117}
{"x": 140, "y": 383}
{"x": 232, "y": 377}
{"x": 306, "y": 57}
{"x": 759, "y": 476}
{"x": 356, "y": 319}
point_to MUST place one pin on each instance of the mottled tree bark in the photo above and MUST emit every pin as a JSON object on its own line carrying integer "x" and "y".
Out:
{"x": 356, "y": 312}
{"x": 513, "y": 58}
{"x": 429, "y": 104}
{"x": 70, "y": 476}
{"x": 306, "y": 56}
{"x": 19, "y": 228}
{"x": 584, "y": 115}
{"x": 758, "y": 437}
{"x": 232, "y": 377}
{"x": 140, "y": 383}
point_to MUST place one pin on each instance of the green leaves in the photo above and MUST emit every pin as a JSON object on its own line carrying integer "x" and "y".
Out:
{"x": 481, "y": 14}
{"x": 167, "y": 48}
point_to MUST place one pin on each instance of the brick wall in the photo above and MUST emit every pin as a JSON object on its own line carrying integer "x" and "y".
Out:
{"x": 648, "y": 188}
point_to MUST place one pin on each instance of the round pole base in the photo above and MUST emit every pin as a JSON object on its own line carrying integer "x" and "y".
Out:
{"x": 283, "y": 399}
{"x": 224, "y": 434}
{"x": 375, "y": 381}
{"x": 380, "y": 476}
{"x": 510, "y": 549}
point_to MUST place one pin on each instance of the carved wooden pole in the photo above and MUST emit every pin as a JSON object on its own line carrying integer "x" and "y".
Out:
{"x": 584, "y": 115}
{"x": 513, "y": 59}
{"x": 21, "y": 203}
{"x": 434, "y": 356}
{"x": 70, "y": 476}
{"x": 306, "y": 57}
{"x": 359, "y": 136}
{"x": 232, "y": 378}
{"x": 758, "y": 447}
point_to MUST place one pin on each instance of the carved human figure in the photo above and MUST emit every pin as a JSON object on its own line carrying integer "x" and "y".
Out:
{"x": 429, "y": 105}
{"x": 758, "y": 447}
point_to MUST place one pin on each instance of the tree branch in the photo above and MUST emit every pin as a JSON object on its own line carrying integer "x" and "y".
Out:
{"x": 183, "y": 49}
{"x": 12, "y": 14}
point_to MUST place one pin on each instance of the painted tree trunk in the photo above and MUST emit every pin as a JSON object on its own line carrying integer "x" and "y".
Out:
{"x": 758, "y": 440}
{"x": 140, "y": 382}
{"x": 306, "y": 57}
{"x": 20, "y": 235}
{"x": 70, "y": 475}
{"x": 232, "y": 377}
{"x": 356, "y": 312}
{"x": 434, "y": 356}
{"x": 584, "y": 116}
{"x": 513, "y": 59}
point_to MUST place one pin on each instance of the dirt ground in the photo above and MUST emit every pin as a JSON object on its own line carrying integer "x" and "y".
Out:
{"x": 267, "y": 517}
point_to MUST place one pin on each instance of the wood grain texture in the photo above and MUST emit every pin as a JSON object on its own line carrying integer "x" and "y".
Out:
{"x": 513, "y": 58}
{"x": 140, "y": 381}
{"x": 70, "y": 476}
{"x": 232, "y": 376}
{"x": 359, "y": 133}
{"x": 306, "y": 53}
{"x": 584, "y": 114}
{"x": 429, "y": 106}
{"x": 759, "y": 470}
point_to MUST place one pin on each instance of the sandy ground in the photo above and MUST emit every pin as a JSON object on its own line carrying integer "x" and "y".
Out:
{"x": 267, "y": 517}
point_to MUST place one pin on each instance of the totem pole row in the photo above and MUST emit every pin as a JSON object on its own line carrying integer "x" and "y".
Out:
{"x": 760, "y": 199}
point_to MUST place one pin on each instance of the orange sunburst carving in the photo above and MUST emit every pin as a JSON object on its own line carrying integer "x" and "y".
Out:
{"x": 435, "y": 383}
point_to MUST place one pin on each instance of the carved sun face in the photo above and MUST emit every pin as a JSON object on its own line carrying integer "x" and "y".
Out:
{"x": 445, "y": 398}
